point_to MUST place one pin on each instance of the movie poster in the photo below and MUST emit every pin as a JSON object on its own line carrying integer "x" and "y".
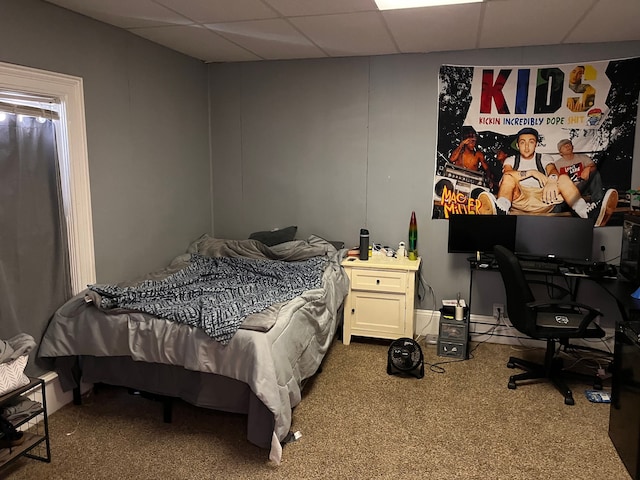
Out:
{"x": 551, "y": 139}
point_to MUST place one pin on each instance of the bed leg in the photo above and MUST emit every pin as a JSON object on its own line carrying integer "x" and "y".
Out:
{"x": 77, "y": 398}
{"x": 167, "y": 409}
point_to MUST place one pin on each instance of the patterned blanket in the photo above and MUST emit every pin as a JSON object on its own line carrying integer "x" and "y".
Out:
{"x": 216, "y": 294}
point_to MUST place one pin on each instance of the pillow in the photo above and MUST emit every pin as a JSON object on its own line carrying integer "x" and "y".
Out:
{"x": 337, "y": 244}
{"x": 274, "y": 237}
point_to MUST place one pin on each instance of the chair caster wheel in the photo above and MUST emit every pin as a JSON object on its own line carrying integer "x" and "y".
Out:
{"x": 511, "y": 385}
{"x": 569, "y": 401}
{"x": 511, "y": 365}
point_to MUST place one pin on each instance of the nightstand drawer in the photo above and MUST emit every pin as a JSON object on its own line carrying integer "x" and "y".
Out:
{"x": 378, "y": 280}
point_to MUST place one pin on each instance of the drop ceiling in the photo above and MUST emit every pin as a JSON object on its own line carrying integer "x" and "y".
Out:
{"x": 252, "y": 30}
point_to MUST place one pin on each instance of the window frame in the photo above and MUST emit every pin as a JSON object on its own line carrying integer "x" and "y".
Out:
{"x": 73, "y": 157}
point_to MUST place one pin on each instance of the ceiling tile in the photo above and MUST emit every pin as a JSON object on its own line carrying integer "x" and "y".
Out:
{"x": 522, "y": 22}
{"x": 124, "y": 13}
{"x": 348, "y": 34}
{"x": 275, "y": 29}
{"x": 208, "y": 11}
{"x": 300, "y": 8}
{"x": 435, "y": 29}
{"x": 269, "y": 39}
{"x": 197, "y": 42}
{"x": 609, "y": 21}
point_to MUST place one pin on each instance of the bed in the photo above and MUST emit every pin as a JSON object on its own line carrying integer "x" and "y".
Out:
{"x": 130, "y": 334}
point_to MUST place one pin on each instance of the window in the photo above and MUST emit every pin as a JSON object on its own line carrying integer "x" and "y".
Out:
{"x": 74, "y": 164}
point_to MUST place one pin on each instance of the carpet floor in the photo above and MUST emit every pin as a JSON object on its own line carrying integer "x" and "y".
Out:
{"x": 458, "y": 422}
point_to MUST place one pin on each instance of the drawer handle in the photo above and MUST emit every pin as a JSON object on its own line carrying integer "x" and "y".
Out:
{"x": 353, "y": 310}
{"x": 378, "y": 282}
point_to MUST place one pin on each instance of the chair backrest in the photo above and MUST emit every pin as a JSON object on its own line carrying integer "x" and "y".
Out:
{"x": 518, "y": 291}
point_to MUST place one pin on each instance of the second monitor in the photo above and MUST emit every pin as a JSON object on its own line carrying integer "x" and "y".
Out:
{"x": 566, "y": 238}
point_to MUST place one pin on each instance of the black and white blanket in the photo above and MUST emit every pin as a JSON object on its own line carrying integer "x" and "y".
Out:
{"x": 217, "y": 294}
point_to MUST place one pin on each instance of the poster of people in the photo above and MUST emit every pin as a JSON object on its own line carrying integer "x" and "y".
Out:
{"x": 536, "y": 140}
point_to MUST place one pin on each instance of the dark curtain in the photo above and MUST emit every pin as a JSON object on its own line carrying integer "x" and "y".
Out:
{"x": 34, "y": 258}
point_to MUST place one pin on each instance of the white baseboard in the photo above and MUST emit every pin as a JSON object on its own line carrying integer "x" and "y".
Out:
{"x": 427, "y": 322}
{"x": 484, "y": 328}
{"x": 56, "y": 397}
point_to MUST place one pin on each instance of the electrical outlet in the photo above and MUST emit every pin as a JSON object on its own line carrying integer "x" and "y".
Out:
{"x": 498, "y": 310}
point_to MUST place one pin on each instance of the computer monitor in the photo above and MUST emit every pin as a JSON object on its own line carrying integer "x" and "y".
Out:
{"x": 559, "y": 237}
{"x": 479, "y": 233}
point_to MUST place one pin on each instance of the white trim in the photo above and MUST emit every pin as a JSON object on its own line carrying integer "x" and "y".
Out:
{"x": 56, "y": 397}
{"x": 74, "y": 163}
{"x": 49, "y": 376}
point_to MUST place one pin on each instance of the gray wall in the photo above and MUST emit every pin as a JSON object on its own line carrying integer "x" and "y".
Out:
{"x": 147, "y": 131}
{"x": 333, "y": 145}
{"x": 330, "y": 145}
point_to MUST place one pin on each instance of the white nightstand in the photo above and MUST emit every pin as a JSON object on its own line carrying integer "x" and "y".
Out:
{"x": 381, "y": 296}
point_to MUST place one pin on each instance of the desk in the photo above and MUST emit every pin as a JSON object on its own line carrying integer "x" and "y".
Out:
{"x": 619, "y": 289}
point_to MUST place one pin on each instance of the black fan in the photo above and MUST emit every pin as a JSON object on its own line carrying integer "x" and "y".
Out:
{"x": 405, "y": 357}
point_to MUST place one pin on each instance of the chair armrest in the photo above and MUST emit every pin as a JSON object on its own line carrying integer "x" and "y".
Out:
{"x": 562, "y": 303}
{"x": 592, "y": 314}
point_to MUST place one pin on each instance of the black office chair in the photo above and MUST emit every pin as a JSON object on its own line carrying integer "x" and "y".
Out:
{"x": 549, "y": 320}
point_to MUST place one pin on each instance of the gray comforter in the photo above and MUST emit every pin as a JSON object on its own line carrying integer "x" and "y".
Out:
{"x": 272, "y": 352}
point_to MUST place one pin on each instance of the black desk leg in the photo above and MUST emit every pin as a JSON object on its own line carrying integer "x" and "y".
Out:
{"x": 469, "y": 299}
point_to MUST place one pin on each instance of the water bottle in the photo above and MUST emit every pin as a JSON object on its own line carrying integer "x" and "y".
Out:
{"x": 364, "y": 244}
